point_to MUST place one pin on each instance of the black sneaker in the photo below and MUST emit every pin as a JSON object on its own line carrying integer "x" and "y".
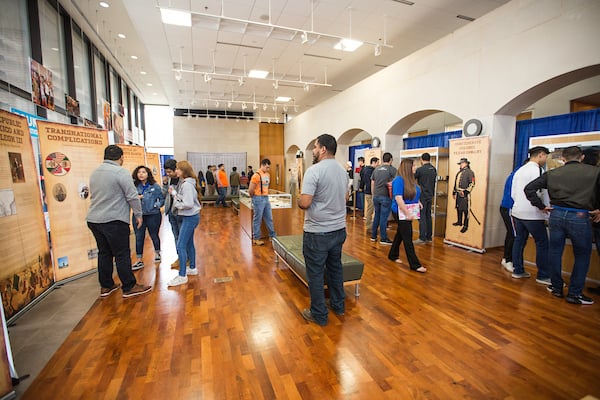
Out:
{"x": 581, "y": 299}
{"x": 385, "y": 242}
{"x": 555, "y": 293}
{"x": 309, "y": 317}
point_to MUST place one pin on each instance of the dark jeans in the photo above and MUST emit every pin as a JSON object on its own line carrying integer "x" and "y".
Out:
{"x": 222, "y": 192}
{"x": 577, "y": 227}
{"x": 323, "y": 258}
{"x": 174, "y": 225}
{"x": 151, "y": 222}
{"x": 425, "y": 223}
{"x": 596, "y": 229}
{"x": 509, "y": 239}
{"x": 404, "y": 235}
{"x": 112, "y": 239}
{"x": 383, "y": 207}
{"x": 537, "y": 228}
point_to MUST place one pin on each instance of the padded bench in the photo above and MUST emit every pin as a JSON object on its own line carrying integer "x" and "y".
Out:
{"x": 235, "y": 204}
{"x": 289, "y": 250}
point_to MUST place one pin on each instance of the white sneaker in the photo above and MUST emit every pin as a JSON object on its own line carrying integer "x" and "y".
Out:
{"x": 507, "y": 265}
{"x": 191, "y": 271}
{"x": 178, "y": 280}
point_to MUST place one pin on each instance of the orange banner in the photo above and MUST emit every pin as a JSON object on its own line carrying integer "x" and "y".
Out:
{"x": 69, "y": 155}
{"x": 26, "y": 267}
{"x": 153, "y": 162}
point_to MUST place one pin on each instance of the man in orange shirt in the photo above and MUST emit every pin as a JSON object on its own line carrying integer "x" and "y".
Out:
{"x": 222, "y": 185}
{"x": 259, "y": 192}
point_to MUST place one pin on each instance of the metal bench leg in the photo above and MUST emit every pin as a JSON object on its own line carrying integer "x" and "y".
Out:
{"x": 356, "y": 291}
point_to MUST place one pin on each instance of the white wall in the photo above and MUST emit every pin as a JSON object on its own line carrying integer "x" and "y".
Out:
{"x": 472, "y": 73}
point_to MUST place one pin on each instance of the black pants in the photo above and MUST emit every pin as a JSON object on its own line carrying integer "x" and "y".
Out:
{"x": 112, "y": 239}
{"x": 404, "y": 234}
{"x": 425, "y": 223}
{"x": 509, "y": 239}
{"x": 462, "y": 210}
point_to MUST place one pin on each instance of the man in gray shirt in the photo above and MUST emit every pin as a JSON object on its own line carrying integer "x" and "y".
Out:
{"x": 324, "y": 195}
{"x": 382, "y": 201}
{"x": 112, "y": 196}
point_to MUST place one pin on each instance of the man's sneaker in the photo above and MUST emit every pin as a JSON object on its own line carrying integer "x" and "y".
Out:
{"x": 556, "y": 293}
{"x": 581, "y": 299}
{"x": 178, "y": 280}
{"x": 309, "y": 317}
{"x": 258, "y": 242}
{"x": 507, "y": 265}
{"x": 157, "y": 257}
{"x": 545, "y": 281}
{"x": 137, "y": 265}
{"x": 373, "y": 239}
{"x": 105, "y": 292}
{"x": 522, "y": 275}
{"x": 385, "y": 242}
{"x": 419, "y": 241}
{"x": 191, "y": 271}
{"x": 137, "y": 290}
{"x": 328, "y": 304}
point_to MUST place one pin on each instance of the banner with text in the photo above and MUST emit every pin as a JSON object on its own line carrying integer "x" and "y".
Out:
{"x": 70, "y": 154}
{"x": 26, "y": 268}
{"x": 153, "y": 162}
{"x": 467, "y": 191}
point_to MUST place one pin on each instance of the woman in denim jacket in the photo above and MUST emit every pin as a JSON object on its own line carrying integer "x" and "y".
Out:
{"x": 152, "y": 200}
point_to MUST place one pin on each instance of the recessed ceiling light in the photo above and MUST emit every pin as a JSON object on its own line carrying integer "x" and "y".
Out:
{"x": 143, "y": 72}
{"x": 256, "y": 73}
{"x": 121, "y": 36}
{"x": 154, "y": 94}
{"x": 283, "y": 99}
{"x": 104, "y": 4}
{"x": 134, "y": 57}
{"x": 348, "y": 45}
{"x": 148, "y": 84}
{"x": 55, "y": 48}
{"x": 175, "y": 17}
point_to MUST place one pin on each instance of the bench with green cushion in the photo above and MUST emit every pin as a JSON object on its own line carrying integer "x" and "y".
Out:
{"x": 289, "y": 250}
{"x": 211, "y": 199}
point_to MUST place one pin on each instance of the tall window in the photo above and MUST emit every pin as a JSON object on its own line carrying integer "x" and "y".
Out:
{"x": 14, "y": 44}
{"x": 82, "y": 73}
{"x": 125, "y": 98}
{"x": 53, "y": 49}
{"x": 100, "y": 80}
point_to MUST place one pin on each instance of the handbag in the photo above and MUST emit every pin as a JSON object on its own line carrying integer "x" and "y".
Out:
{"x": 413, "y": 210}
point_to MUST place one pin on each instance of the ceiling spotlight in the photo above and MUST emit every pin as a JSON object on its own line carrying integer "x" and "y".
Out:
{"x": 217, "y": 104}
{"x": 189, "y": 116}
{"x": 254, "y": 106}
{"x": 229, "y": 104}
{"x": 274, "y": 107}
{"x": 122, "y": 36}
{"x": 244, "y": 106}
{"x": 275, "y": 84}
{"x": 207, "y": 116}
{"x": 306, "y": 87}
{"x": 285, "y": 108}
{"x": 207, "y": 78}
{"x": 241, "y": 81}
{"x": 143, "y": 72}
{"x": 377, "y": 50}
{"x": 304, "y": 37}
{"x": 265, "y": 107}
{"x": 178, "y": 75}
{"x": 134, "y": 57}
{"x": 104, "y": 4}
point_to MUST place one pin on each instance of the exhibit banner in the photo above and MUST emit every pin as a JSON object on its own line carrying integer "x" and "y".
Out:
{"x": 467, "y": 192}
{"x": 153, "y": 162}
{"x": 133, "y": 156}
{"x": 26, "y": 268}
{"x": 70, "y": 154}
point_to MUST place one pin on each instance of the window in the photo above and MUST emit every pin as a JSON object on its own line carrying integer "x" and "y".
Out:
{"x": 14, "y": 44}
{"x": 100, "y": 80}
{"x": 53, "y": 49}
{"x": 81, "y": 67}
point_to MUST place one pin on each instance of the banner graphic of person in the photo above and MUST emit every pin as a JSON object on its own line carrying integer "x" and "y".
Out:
{"x": 463, "y": 185}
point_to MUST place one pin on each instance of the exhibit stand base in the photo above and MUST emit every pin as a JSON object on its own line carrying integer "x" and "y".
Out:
{"x": 464, "y": 246}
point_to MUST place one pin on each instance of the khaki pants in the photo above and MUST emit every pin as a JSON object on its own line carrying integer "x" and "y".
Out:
{"x": 369, "y": 210}
{"x": 211, "y": 190}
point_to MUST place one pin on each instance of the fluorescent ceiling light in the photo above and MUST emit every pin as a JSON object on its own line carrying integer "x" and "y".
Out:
{"x": 283, "y": 99}
{"x": 256, "y": 73}
{"x": 121, "y": 36}
{"x": 176, "y": 17}
{"x": 348, "y": 45}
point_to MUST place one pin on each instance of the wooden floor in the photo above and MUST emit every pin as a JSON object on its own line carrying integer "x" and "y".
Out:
{"x": 465, "y": 329}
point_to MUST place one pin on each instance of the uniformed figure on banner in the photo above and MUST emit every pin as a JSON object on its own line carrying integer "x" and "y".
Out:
{"x": 463, "y": 185}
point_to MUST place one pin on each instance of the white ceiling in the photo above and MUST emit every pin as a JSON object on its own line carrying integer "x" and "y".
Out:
{"x": 160, "y": 47}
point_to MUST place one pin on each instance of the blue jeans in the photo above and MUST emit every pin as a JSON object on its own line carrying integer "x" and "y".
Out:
{"x": 174, "y": 225}
{"x": 185, "y": 244}
{"x": 578, "y": 227}
{"x": 112, "y": 239}
{"x": 261, "y": 208}
{"x": 222, "y": 192}
{"x": 152, "y": 223}
{"x": 425, "y": 223}
{"x": 383, "y": 207}
{"x": 323, "y": 258}
{"x": 537, "y": 228}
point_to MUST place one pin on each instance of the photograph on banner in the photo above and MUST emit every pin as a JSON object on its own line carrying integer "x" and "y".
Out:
{"x": 26, "y": 268}
{"x": 467, "y": 192}
{"x": 42, "y": 89}
{"x": 106, "y": 115}
{"x": 70, "y": 154}
{"x": 72, "y": 106}
{"x": 118, "y": 128}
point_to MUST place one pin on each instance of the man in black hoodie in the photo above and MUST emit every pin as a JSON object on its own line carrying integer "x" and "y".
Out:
{"x": 426, "y": 175}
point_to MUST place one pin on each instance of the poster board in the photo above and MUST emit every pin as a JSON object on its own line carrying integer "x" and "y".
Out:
{"x": 133, "y": 156}
{"x": 70, "y": 154}
{"x": 153, "y": 162}
{"x": 477, "y": 151}
{"x": 26, "y": 268}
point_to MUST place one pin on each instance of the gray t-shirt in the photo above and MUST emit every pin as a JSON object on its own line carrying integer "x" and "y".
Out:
{"x": 381, "y": 176}
{"x": 327, "y": 182}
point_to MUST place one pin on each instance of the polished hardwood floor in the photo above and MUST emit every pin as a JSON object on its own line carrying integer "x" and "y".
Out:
{"x": 465, "y": 329}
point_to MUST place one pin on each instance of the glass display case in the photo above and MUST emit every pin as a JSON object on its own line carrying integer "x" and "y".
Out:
{"x": 281, "y": 205}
